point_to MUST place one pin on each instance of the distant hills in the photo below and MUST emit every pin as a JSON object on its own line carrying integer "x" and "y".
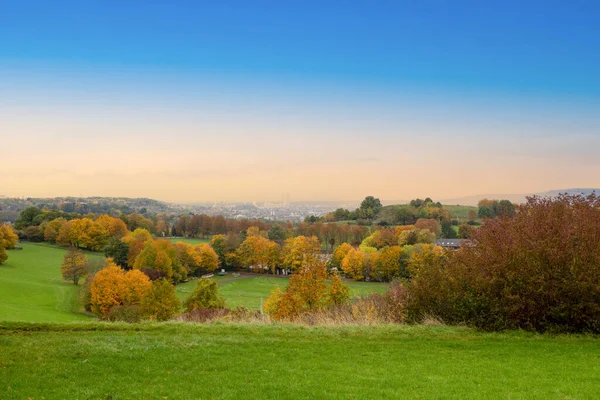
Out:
{"x": 516, "y": 198}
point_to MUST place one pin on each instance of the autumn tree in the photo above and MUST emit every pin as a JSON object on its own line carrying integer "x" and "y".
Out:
{"x": 388, "y": 264}
{"x": 52, "y": 229}
{"x": 299, "y": 250}
{"x": 162, "y": 228}
{"x": 113, "y": 287}
{"x": 161, "y": 257}
{"x": 338, "y": 292}
{"x": 353, "y": 264}
{"x": 8, "y": 237}
{"x": 205, "y": 295}
{"x": 114, "y": 226}
{"x": 259, "y": 252}
{"x": 339, "y": 254}
{"x": 74, "y": 265}
{"x": 136, "y": 241}
{"x": 160, "y": 303}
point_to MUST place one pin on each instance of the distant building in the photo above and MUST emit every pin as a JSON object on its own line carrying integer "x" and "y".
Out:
{"x": 451, "y": 243}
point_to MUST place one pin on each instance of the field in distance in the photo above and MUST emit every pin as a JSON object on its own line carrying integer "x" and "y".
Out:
{"x": 228, "y": 361}
{"x": 32, "y": 289}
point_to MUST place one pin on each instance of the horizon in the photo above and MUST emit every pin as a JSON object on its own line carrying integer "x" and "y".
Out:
{"x": 234, "y": 102}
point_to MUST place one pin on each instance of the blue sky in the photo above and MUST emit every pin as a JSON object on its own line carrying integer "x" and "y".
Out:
{"x": 316, "y": 73}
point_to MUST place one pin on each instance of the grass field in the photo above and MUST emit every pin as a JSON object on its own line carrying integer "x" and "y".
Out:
{"x": 32, "y": 289}
{"x": 221, "y": 361}
{"x": 189, "y": 240}
{"x": 249, "y": 291}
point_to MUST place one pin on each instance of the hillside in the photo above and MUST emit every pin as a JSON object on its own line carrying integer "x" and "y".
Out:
{"x": 389, "y": 215}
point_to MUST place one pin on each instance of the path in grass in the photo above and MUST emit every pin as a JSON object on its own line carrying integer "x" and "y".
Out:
{"x": 250, "y": 290}
{"x": 222, "y": 361}
{"x": 32, "y": 288}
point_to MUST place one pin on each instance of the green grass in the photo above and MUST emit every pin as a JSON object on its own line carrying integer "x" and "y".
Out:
{"x": 250, "y": 292}
{"x": 32, "y": 289}
{"x": 191, "y": 241}
{"x": 222, "y": 361}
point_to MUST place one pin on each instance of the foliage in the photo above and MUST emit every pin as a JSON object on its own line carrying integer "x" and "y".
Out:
{"x": 118, "y": 250}
{"x": 259, "y": 253}
{"x": 338, "y": 292}
{"x": 112, "y": 287}
{"x": 538, "y": 269}
{"x": 74, "y": 265}
{"x": 297, "y": 251}
{"x": 339, "y": 254}
{"x": 160, "y": 303}
{"x": 8, "y": 237}
{"x": 205, "y": 295}
{"x": 353, "y": 264}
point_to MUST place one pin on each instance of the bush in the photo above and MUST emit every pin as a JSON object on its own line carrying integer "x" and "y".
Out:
{"x": 205, "y": 295}
{"x": 536, "y": 269}
{"x": 160, "y": 303}
{"x": 125, "y": 313}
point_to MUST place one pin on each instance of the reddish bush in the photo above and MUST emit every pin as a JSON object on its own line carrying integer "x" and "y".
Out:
{"x": 538, "y": 269}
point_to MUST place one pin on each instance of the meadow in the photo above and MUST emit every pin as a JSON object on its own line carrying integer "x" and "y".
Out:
{"x": 233, "y": 361}
{"x": 32, "y": 289}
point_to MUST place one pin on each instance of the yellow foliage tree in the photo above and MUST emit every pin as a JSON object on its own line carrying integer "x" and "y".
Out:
{"x": 114, "y": 226}
{"x": 52, "y": 229}
{"x": 298, "y": 250}
{"x": 8, "y": 237}
{"x": 388, "y": 264}
{"x": 260, "y": 253}
{"x": 107, "y": 289}
{"x": 353, "y": 264}
{"x": 338, "y": 292}
{"x": 339, "y": 254}
{"x": 136, "y": 285}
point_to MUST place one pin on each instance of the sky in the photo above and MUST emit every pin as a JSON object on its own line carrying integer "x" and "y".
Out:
{"x": 192, "y": 101}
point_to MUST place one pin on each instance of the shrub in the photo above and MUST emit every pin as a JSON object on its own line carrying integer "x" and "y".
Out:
{"x": 160, "y": 303}
{"x": 535, "y": 269}
{"x": 125, "y": 313}
{"x": 205, "y": 295}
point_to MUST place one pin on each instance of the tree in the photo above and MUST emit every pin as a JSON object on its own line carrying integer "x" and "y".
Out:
{"x": 389, "y": 263}
{"x": 136, "y": 241}
{"x": 114, "y": 226}
{"x": 259, "y": 252}
{"x": 472, "y": 215}
{"x": 52, "y": 229}
{"x": 107, "y": 290}
{"x": 112, "y": 287}
{"x": 465, "y": 231}
{"x": 118, "y": 251}
{"x": 160, "y": 256}
{"x": 370, "y": 207}
{"x": 339, "y": 254}
{"x": 299, "y": 250}
{"x": 74, "y": 265}
{"x": 307, "y": 291}
{"x": 207, "y": 259}
{"x": 8, "y": 237}
{"x": 276, "y": 234}
{"x": 3, "y": 255}
{"x": 448, "y": 231}
{"x": 205, "y": 295}
{"x": 161, "y": 303}
{"x": 338, "y": 292}
{"x": 27, "y": 216}
{"x": 353, "y": 264}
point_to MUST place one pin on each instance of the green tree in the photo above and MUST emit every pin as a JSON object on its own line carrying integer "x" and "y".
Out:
{"x": 118, "y": 251}
{"x": 205, "y": 295}
{"x": 160, "y": 303}
{"x": 369, "y": 207}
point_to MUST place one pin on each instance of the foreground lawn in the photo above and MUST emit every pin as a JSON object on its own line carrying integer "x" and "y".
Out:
{"x": 250, "y": 291}
{"x": 220, "y": 361}
{"x": 32, "y": 289}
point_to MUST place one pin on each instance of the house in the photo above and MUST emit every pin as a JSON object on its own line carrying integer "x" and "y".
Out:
{"x": 451, "y": 243}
